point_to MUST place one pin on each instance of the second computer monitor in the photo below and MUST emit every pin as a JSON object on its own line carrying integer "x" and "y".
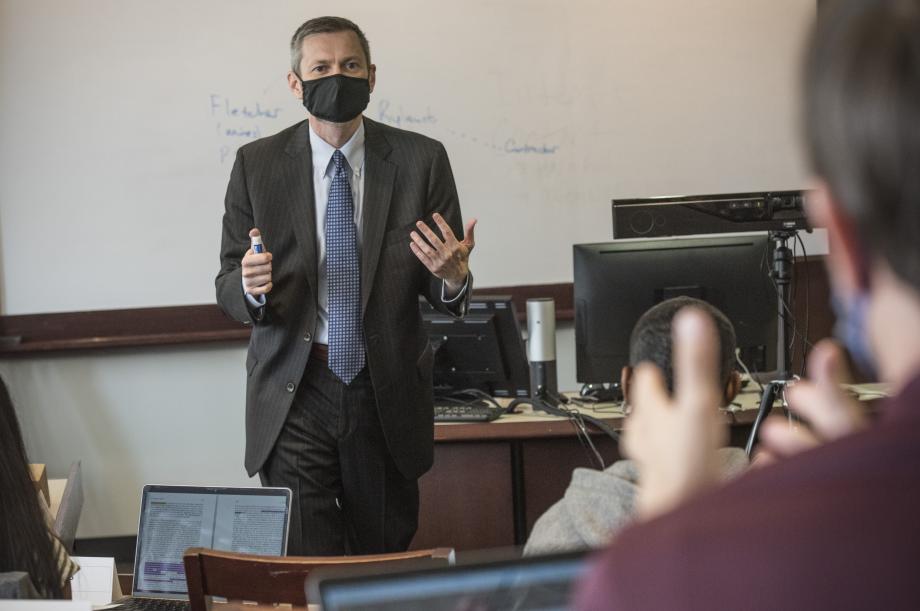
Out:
{"x": 540, "y": 582}
{"x": 484, "y": 350}
{"x": 616, "y": 282}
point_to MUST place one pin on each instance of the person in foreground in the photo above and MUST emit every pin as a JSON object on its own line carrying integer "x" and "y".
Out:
{"x": 833, "y": 522}
{"x": 357, "y": 219}
{"x": 27, "y": 544}
{"x": 598, "y": 504}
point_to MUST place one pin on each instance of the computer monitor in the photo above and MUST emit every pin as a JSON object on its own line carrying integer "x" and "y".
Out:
{"x": 541, "y": 582}
{"x": 616, "y": 282}
{"x": 483, "y": 350}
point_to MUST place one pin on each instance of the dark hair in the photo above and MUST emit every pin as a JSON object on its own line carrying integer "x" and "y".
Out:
{"x": 324, "y": 25}
{"x": 862, "y": 122}
{"x": 26, "y": 540}
{"x": 651, "y": 338}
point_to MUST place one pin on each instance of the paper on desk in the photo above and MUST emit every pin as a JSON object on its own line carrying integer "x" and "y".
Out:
{"x": 96, "y": 580}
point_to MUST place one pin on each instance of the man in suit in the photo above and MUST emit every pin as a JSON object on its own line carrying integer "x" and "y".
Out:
{"x": 358, "y": 220}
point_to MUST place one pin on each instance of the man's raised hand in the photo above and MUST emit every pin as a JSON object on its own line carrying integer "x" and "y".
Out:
{"x": 674, "y": 440}
{"x": 820, "y": 401}
{"x": 446, "y": 257}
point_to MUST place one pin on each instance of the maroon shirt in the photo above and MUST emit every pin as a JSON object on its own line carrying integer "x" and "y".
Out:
{"x": 837, "y": 527}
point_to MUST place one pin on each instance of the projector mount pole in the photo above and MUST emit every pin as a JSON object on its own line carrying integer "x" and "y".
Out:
{"x": 781, "y": 274}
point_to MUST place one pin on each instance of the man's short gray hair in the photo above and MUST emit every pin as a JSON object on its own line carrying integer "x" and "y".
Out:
{"x": 324, "y": 25}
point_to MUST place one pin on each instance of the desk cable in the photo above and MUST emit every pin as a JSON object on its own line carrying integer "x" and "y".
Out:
{"x": 554, "y": 404}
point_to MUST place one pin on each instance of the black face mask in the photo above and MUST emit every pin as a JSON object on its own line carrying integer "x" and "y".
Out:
{"x": 336, "y": 98}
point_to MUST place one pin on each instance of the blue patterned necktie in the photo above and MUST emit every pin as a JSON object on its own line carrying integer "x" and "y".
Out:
{"x": 343, "y": 277}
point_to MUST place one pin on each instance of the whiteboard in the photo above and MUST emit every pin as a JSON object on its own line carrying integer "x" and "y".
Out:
{"x": 120, "y": 119}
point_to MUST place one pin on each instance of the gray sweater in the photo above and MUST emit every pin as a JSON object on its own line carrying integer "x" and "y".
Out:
{"x": 598, "y": 504}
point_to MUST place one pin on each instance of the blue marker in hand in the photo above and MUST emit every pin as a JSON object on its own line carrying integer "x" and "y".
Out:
{"x": 256, "y": 239}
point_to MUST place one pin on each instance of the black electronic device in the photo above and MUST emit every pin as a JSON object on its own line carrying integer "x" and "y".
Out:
{"x": 707, "y": 214}
{"x": 466, "y": 413}
{"x": 540, "y": 582}
{"x": 617, "y": 282}
{"x": 483, "y": 350}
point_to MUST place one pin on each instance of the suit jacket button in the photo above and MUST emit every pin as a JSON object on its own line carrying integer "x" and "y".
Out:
{"x": 290, "y": 387}
{"x": 307, "y": 337}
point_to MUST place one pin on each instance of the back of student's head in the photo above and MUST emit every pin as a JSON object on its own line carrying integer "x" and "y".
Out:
{"x": 651, "y": 338}
{"x": 862, "y": 120}
{"x": 25, "y": 541}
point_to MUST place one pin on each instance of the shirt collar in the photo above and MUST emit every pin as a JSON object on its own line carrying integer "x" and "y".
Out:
{"x": 353, "y": 151}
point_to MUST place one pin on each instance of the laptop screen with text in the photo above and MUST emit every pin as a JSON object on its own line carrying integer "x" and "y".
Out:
{"x": 175, "y": 518}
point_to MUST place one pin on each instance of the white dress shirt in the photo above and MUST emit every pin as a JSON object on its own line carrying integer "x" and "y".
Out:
{"x": 323, "y": 173}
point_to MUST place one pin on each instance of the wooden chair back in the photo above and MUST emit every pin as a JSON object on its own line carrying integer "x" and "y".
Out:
{"x": 272, "y": 580}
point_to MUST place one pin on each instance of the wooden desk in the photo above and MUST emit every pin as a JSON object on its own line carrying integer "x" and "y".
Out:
{"x": 491, "y": 481}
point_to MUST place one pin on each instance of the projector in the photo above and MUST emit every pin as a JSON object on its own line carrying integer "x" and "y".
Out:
{"x": 701, "y": 214}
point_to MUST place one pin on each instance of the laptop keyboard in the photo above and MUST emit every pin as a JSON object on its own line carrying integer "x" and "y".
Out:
{"x": 153, "y": 604}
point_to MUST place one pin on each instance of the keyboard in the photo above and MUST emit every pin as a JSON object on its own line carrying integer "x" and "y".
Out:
{"x": 152, "y": 604}
{"x": 466, "y": 413}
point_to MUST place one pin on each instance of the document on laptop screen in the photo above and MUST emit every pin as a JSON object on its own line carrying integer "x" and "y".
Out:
{"x": 250, "y": 524}
{"x": 175, "y": 521}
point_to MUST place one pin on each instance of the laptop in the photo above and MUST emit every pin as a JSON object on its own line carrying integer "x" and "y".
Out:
{"x": 175, "y": 518}
{"x": 540, "y": 582}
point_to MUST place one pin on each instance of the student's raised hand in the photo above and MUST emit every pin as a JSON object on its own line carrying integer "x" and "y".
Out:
{"x": 674, "y": 440}
{"x": 446, "y": 258}
{"x": 829, "y": 413}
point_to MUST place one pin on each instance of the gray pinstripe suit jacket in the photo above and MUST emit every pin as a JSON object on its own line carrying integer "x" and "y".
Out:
{"x": 408, "y": 177}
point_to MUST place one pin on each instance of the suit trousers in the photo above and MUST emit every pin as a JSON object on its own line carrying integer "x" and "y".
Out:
{"x": 348, "y": 495}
